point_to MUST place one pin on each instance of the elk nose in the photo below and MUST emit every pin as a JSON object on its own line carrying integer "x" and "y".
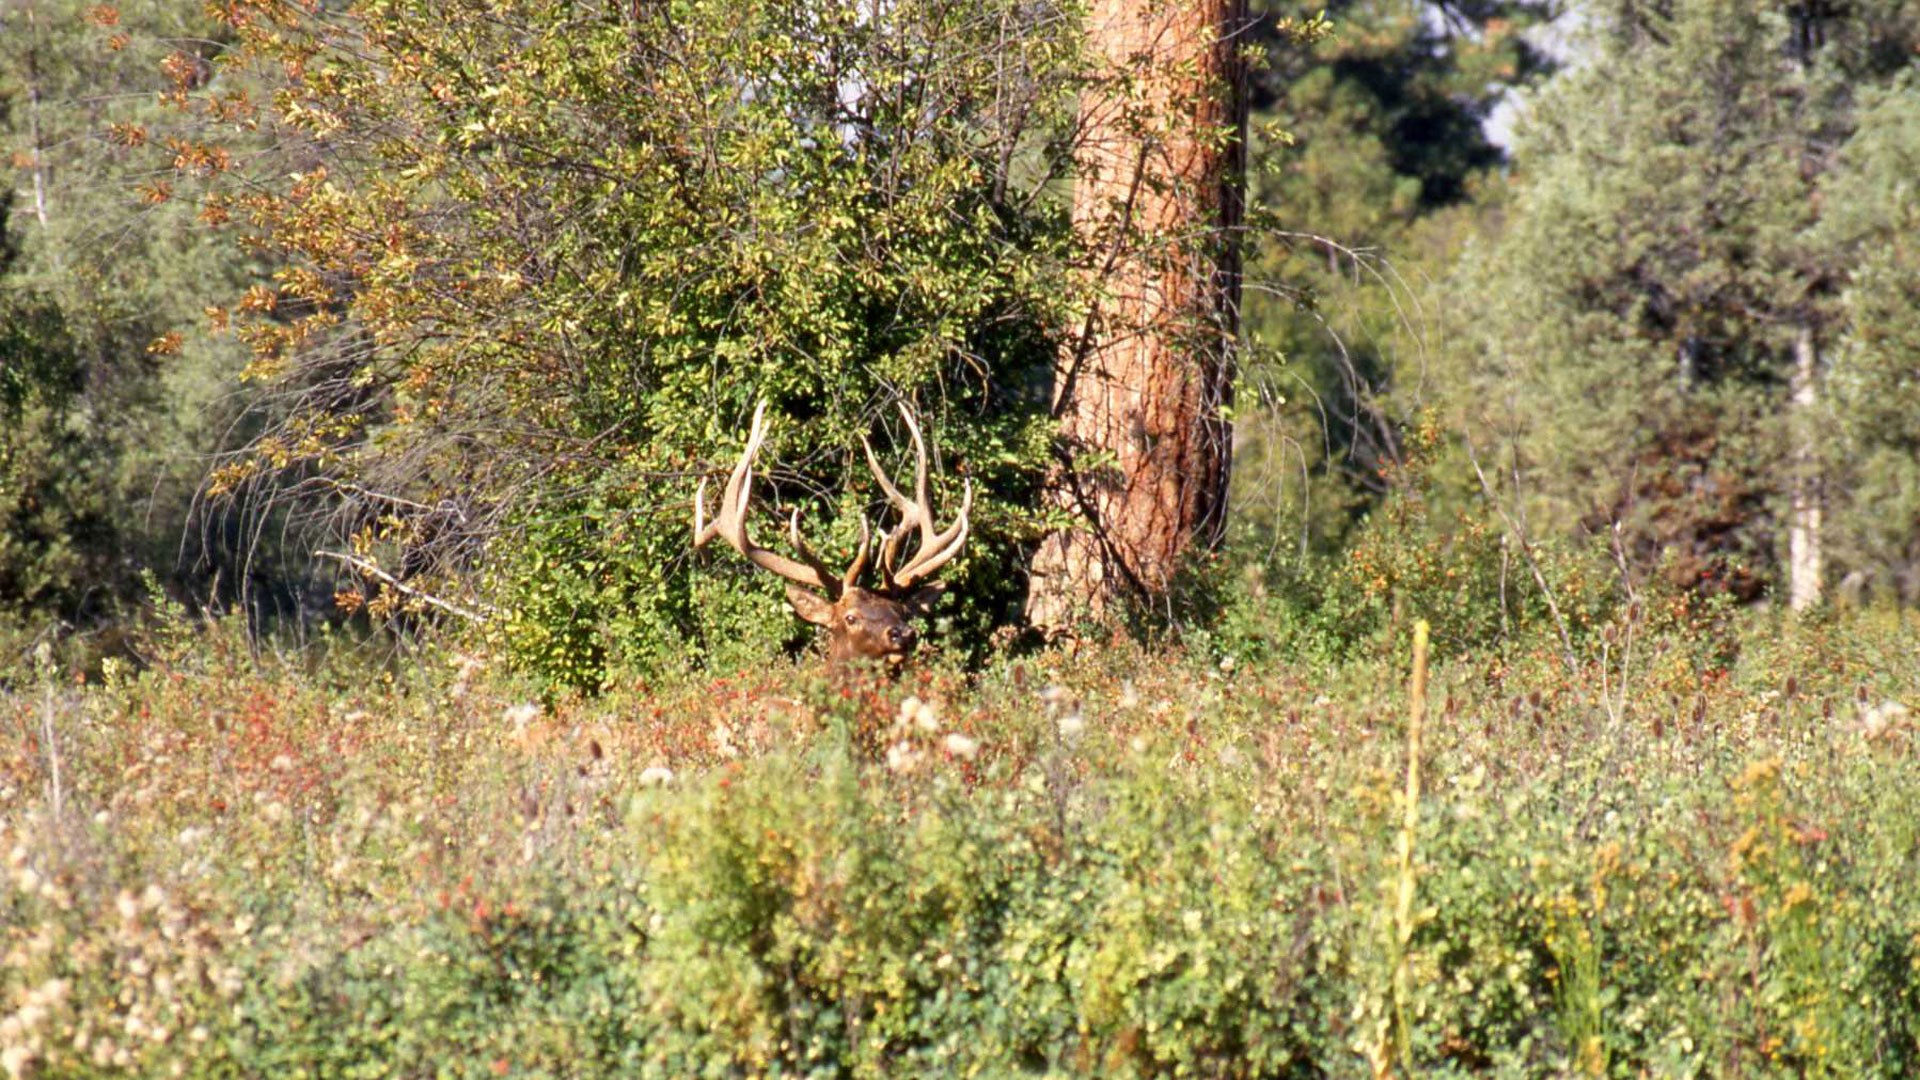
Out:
{"x": 902, "y": 636}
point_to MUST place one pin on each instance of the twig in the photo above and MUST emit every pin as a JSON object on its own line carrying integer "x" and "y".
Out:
{"x": 53, "y": 755}
{"x": 396, "y": 584}
{"x": 1526, "y": 552}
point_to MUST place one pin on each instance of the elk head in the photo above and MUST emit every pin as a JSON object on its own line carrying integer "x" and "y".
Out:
{"x": 865, "y": 623}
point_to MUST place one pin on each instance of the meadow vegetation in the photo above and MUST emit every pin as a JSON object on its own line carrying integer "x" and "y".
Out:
{"x": 1690, "y": 853}
{"x": 364, "y": 710}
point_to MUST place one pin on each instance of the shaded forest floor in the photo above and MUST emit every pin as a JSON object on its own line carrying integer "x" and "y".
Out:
{"x": 1699, "y": 861}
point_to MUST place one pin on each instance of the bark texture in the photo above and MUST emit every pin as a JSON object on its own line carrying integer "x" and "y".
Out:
{"x": 1139, "y": 394}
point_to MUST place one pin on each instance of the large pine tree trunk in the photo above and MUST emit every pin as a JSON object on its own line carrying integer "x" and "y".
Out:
{"x": 1139, "y": 395}
{"x": 1806, "y": 562}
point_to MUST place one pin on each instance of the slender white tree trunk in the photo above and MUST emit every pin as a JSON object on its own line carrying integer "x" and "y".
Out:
{"x": 1805, "y": 558}
{"x": 33, "y": 119}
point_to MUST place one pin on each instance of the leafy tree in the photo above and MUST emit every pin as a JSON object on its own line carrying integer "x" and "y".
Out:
{"x": 1871, "y": 216}
{"x": 544, "y": 259}
{"x": 54, "y": 526}
{"x": 1642, "y": 325}
{"x": 1368, "y": 197}
{"x": 111, "y": 395}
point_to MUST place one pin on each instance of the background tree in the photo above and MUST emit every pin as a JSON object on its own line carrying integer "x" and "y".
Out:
{"x": 1871, "y": 462}
{"x": 110, "y": 397}
{"x": 1379, "y": 178}
{"x": 1660, "y": 292}
{"x": 1375, "y": 165}
{"x": 1140, "y": 392}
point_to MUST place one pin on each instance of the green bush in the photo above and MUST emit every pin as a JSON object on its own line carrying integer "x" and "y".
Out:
{"x": 588, "y": 289}
{"x": 1430, "y": 548}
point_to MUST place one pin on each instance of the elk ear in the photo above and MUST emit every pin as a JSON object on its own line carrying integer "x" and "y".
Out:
{"x": 920, "y": 601}
{"x": 810, "y": 606}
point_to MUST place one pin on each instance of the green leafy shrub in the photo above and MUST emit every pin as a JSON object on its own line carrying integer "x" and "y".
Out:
{"x": 49, "y": 521}
{"x": 1430, "y": 549}
{"x": 605, "y": 251}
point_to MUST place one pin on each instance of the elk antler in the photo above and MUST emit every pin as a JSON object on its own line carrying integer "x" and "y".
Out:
{"x": 731, "y": 525}
{"x": 936, "y": 548}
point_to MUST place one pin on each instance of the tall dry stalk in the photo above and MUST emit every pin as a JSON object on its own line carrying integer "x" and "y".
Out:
{"x": 1403, "y": 914}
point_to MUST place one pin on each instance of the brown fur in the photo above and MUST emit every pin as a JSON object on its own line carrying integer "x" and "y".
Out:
{"x": 863, "y": 624}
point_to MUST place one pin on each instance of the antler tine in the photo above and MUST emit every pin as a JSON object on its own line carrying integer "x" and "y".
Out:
{"x": 731, "y": 523}
{"x": 859, "y": 565}
{"x": 890, "y": 547}
{"x": 900, "y": 502}
{"x": 932, "y": 556}
{"x": 800, "y": 548}
{"x": 733, "y": 501}
{"x": 919, "y": 473}
{"x": 936, "y": 548}
{"x": 912, "y": 511}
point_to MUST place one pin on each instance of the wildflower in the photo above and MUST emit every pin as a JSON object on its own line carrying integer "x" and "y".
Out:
{"x": 1071, "y": 726}
{"x": 908, "y": 705}
{"x": 960, "y": 746}
{"x": 656, "y": 776}
{"x": 1128, "y": 698}
{"x": 54, "y": 992}
{"x": 1882, "y": 718}
{"x": 15, "y": 1059}
{"x": 902, "y": 757}
{"x": 1759, "y": 774}
{"x": 521, "y": 715}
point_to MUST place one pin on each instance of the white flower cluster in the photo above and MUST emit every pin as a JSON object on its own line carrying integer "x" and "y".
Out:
{"x": 916, "y": 722}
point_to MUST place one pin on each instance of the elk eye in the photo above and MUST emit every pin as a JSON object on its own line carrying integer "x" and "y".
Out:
{"x": 852, "y": 619}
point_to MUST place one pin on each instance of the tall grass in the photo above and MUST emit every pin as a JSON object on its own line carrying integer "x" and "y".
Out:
{"x": 1107, "y": 865}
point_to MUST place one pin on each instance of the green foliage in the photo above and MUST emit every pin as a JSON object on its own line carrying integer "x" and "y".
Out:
{"x": 600, "y": 588}
{"x": 55, "y": 524}
{"x": 605, "y": 234}
{"x": 1624, "y": 349}
{"x": 109, "y": 399}
{"x": 1369, "y": 158}
{"x": 1424, "y": 550}
{"x": 1874, "y": 464}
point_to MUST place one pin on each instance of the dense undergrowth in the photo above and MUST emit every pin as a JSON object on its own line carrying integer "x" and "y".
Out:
{"x": 1111, "y": 864}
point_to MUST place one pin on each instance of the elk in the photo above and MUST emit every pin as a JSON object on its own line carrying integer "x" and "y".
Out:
{"x": 874, "y": 624}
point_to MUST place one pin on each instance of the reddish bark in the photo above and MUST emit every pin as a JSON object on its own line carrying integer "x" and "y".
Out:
{"x": 1139, "y": 393}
